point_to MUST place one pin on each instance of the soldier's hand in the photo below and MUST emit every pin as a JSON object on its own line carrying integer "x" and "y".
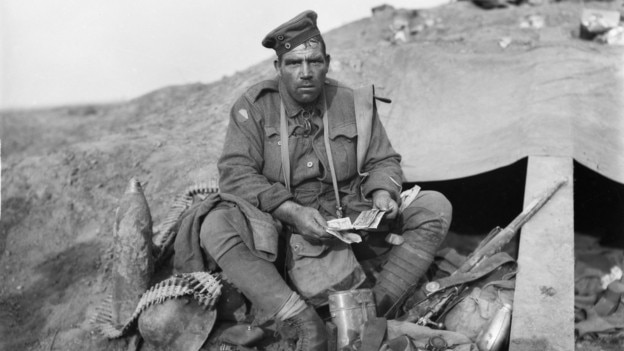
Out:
{"x": 311, "y": 224}
{"x": 307, "y": 221}
{"x": 383, "y": 201}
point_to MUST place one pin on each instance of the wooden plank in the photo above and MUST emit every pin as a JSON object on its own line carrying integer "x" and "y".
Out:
{"x": 543, "y": 311}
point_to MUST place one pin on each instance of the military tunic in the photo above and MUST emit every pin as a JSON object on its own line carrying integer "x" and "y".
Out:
{"x": 250, "y": 165}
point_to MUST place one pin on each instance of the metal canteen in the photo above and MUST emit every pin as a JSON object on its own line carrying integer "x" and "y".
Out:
{"x": 349, "y": 310}
{"x": 495, "y": 334}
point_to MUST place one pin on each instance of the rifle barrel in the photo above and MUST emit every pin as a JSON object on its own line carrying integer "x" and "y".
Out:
{"x": 505, "y": 235}
{"x": 535, "y": 206}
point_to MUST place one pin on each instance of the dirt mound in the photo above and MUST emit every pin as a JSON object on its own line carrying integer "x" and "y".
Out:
{"x": 64, "y": 169}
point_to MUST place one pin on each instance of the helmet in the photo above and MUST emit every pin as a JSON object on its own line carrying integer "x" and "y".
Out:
{"x": 176, "y": 324}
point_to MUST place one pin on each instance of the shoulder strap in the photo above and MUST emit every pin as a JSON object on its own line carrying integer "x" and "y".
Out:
{"x": 284, "y": 142}
{"x": 363, "y": 99}
{"x": 330, "y": 160}
{"x": 488, "y": 266}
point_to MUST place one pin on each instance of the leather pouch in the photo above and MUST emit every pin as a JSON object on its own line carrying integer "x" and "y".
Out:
{"x": 317, "y": 270}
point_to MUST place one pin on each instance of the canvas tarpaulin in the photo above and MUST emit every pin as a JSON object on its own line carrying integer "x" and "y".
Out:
{"x": 457, "y": 112}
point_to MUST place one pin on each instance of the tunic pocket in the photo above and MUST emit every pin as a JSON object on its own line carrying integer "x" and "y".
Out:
{"x": 343, "y": 141}
{"x": 272, "y": 167}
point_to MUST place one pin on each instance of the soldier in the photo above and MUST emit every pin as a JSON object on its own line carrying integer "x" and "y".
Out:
{"x": 316, "y": 116}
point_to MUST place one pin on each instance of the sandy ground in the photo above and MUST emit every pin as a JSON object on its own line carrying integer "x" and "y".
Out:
{"x": 64, "y": 169}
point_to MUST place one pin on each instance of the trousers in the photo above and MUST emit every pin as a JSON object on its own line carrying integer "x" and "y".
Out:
{"x": 260, "y": 280}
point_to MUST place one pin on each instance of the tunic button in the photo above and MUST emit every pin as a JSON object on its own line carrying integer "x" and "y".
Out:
{"x": 309, "y": 164}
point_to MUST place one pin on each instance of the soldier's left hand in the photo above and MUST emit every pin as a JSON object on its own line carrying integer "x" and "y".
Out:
{"x": 383, "y": 201}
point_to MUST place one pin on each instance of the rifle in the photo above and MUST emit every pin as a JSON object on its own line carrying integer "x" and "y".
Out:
{"x": 438, "y": 300}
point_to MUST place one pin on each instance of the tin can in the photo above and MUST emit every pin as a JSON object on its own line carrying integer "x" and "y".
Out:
{"x": 350, "y": 309}
{"x": 496, "y": 332}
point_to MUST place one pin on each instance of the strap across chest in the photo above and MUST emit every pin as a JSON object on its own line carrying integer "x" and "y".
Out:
{"x": 286, "y": 155}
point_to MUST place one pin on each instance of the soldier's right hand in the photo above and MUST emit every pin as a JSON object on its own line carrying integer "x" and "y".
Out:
{"x": 311, "y": 225}
{"x": 306, "y": 221}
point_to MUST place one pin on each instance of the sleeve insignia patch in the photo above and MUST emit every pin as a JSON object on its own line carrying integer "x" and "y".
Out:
{"x": 242, "y": 115}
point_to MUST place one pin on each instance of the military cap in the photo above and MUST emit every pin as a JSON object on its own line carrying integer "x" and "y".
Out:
{"x": 292, "y": 33}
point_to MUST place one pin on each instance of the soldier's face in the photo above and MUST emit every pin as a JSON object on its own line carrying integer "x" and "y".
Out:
{"x": 303, "y": 71}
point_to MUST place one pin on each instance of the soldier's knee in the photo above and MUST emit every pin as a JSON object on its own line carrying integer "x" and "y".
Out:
{"x": 219, "y": 231}
{"x": 426, "y": 220}
{"x": 440, "y": 205}
{"x": 429, "y": 206}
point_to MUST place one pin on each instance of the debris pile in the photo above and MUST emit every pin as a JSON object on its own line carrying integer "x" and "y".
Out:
{"x": 401, "y": 22}
{"x": 602, "y": 26}
{"x": 404, "y": 26}
{"x": 533, "y": 21}
{"x": 599, "y": 288}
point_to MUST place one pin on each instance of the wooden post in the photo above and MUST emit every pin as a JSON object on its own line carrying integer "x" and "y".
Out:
{"x": 543, "y": 311}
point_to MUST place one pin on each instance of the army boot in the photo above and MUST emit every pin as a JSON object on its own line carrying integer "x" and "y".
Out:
{"x": 310, "y": 330}
{"x": 261, "y": 283}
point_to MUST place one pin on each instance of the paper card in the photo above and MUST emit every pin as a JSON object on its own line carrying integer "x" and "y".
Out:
{"x": 368, "y": 219}
{"x": 340, "y": 224}
{"x": 346, "y": 237}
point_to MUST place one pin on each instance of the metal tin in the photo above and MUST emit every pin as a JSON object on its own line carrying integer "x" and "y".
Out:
{"x": 496, "y": 332}
{"x": 349, "y": 310}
